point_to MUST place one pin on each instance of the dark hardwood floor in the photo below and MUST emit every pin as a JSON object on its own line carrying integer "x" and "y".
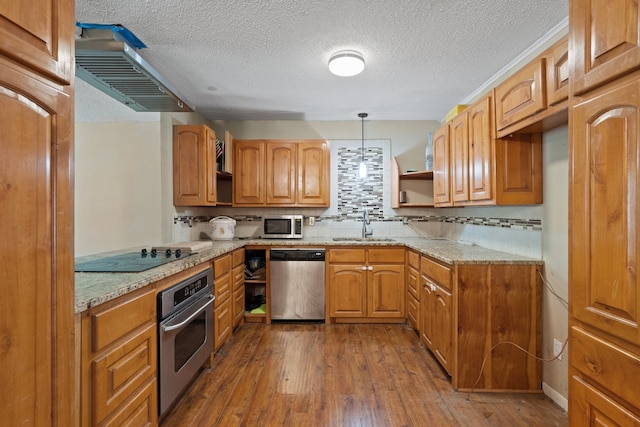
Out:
{"x": 342, "y": 375}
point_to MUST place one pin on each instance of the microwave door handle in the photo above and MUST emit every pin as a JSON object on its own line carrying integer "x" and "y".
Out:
{"x": 166, "y": 328}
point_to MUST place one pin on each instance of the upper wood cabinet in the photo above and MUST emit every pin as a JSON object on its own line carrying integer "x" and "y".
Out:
{"x": 39, "y": 35}
{"x": 281, "y": 173}
{"x": 194, "y": 166}
{"x": 605, "y": 41}
{"x": 521, "y": 95}
{"x": 38, "y": 369}
{"x": 535, "y": 98}
{"x": 459, "y": 142}
{"x": 441, "y": 168}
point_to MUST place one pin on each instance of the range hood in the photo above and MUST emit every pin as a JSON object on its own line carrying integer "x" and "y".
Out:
{"x": 107, "y": 62}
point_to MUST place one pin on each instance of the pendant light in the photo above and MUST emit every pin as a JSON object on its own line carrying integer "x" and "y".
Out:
{"x": 363, "y": 165}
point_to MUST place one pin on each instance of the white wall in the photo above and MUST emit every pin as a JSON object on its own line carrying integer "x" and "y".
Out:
{"x": 117, "y": 191}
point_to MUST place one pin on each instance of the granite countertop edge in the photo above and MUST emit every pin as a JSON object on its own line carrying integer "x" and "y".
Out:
{"x": 93, "y": 289}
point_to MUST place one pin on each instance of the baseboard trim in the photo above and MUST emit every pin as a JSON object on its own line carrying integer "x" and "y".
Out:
{"x": 552, "y": 394}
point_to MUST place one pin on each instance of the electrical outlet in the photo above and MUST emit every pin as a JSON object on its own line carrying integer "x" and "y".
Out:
{"x": 557, "y": 348}
{"x": 312, "y": 220}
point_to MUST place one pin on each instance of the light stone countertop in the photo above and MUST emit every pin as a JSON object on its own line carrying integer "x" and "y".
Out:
{"x": 92, "y": 289}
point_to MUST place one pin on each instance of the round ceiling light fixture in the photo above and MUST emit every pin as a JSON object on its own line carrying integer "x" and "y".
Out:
{"x": 346, "y": 63}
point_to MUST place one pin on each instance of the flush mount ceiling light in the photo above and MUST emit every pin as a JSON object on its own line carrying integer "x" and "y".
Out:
{"x": 346, "y": 63}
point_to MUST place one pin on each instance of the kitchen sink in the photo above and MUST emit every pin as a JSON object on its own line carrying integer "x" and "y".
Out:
{"x": 362, "y": 239}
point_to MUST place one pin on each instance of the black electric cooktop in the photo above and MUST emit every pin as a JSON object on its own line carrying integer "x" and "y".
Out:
{"x": 130, "y": 262}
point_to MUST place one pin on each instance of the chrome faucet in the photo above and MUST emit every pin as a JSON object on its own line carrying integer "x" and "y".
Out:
{"x": 367, "y": 230}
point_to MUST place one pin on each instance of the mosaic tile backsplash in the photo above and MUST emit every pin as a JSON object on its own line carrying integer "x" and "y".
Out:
{"x": 355, "y": 193}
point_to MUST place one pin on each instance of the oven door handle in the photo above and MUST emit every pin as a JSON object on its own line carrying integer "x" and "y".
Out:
{"x": 196, "y": 313}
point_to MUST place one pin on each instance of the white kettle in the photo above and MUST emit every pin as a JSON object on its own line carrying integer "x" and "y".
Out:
{"x": 222, "y": 228}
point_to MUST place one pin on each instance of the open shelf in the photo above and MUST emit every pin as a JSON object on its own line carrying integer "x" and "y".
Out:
{"x": 418, "y": 187}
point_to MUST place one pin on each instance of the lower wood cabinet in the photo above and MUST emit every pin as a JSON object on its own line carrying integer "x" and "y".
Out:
{"x": 470, "y": 312}
{"x": 222, "y": 288}
{"x": 413, "y": 289}
{"x": 365, "y": 284}
{"x": 119, "y": 361}
{"x": 237, "y": 286}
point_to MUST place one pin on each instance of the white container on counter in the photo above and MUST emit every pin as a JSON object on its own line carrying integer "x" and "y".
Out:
{"x": 222, "y": 228}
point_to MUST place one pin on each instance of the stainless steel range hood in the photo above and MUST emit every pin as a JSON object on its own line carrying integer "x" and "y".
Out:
{"x": 110, "y": 64}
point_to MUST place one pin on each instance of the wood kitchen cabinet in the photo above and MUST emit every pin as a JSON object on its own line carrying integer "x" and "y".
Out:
{"x": 604, "y": 288}
{"x": 281, "y": 173}
{"x": 534, "y": 99}
{"x": 484, "y": 170}
{"x": 222, "y": 290}
{"x": 237, "y": 286}
{"x": 413, "y": 289}
{"x": 119, "y": 361}
{"x": 195, "y": 176}
{"x": 38, "y": 369}
{"x": 468, "y": 309}
{"x": 366, "y": 284}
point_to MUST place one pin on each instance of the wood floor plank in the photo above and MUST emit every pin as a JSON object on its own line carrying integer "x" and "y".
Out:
{"x": 342, "y": 375}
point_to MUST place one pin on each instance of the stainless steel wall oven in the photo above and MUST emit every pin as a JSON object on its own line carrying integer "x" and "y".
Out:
{"x": 185, "y": 334}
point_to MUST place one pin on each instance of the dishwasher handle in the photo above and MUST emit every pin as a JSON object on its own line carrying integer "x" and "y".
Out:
{"x": 297, "y": 255}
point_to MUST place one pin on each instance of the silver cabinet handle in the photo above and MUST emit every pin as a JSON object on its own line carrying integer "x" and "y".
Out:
{"x": 370, "y": 268}
{"x": 188, "y": 319}
{"x": 364, "y": 267}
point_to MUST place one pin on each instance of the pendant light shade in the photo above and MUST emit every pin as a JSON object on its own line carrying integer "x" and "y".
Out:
{"x": 346, "y": 63}
{"x": 363, "y": 165}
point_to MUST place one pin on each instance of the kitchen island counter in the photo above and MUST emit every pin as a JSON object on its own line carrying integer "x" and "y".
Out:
{"x": 92, "y": 289}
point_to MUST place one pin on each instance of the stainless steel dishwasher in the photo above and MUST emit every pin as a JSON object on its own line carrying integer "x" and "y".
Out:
{"x": 297, "y": 284}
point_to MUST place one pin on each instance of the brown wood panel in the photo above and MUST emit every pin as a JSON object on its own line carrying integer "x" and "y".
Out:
{"x": 238, "y": 257}
{"x": 521, "y": 95}
{"x": 39, "y": 35}
{"x": 36, "y": 177}
{"x": 558, "y": 72}
{"x": 221, "y": 265}
{"x": 604, "y": 241}
{"x": 347, "y": 255}
{"x": 413, "y": 259}
{"x": 110, "y": 323}
{"x": 604, "y": 41}
{"x": 459, "y": 143}
{"x": 441, "y": 167}
{"x": 313, "y": 173}
{"x": 591, "y": 407}
{"x": 385, "y": 255}
{"x": 119, "y": 372}
{"x": 606, "y": 364}
{"x": 281, "y": 169}
{"x": 438, "y": 272}
{"x": 519, "y": 169}
{"x": 321, "y": 375}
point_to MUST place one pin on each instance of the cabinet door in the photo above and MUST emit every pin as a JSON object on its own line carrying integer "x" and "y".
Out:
{"x": 441, "y": 168}
{"x": 281, "y": 172}
{"x": 36, "y": 248}
{"x": 386, "y": 293}
{"x": 210, "y": 167}
{"x": 459, "y": 140}
{"x": 39, "y": 35}
{"x": 480, "y": 124}
{"x": 442, "y": 324}
{"x": 604, "y": 223}
{"x": 194, "y": 166}
{"x": 313, "y": 173}
{"x": 248, "y": 172}
{"x": 222, "y": 323}
{"x": 347, "y": 290}
{"x": 426, "y": 313}
{"x": 558, "y": 72}
{"x": 591, "y": 407}
{"x": 521, "y": 95}
{"x": 604, "y": 41}
{"x": 518, "y": 169}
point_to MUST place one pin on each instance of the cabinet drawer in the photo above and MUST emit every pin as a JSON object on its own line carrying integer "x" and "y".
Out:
{"x": 591, "y": 407}
{"x": 438, "y": 272}
{"x": 605, "y": 363}
{"x": 413, "y": 259}
{"x": 522, "y": 95}
{"x": 223, "y": 321}
{"x": 111, "y": 324}
{"x": 118, "y": 373}
{"x": 222, "y": 288}
{"x": 413, "y": 283}
{"x": 386, "y": 255}
{"x": 238, "y": 277}
{"x": 141, "y": 410}
{"x": 413, "y": 312}
{"x": 221, "y": 265}
{"x": 238, "y": 257}
{"x": 347, "y": 255}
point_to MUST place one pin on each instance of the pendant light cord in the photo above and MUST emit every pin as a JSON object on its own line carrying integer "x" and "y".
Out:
{"x": 363, "y": 116}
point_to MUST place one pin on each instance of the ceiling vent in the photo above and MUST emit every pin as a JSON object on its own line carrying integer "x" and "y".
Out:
{"x": 107, "y": 62}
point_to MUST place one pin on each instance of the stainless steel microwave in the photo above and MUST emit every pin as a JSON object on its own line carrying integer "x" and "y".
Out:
{"x": 282, "y": 227}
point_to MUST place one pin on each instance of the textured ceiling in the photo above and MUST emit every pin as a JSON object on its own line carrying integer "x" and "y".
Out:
{"x": 267, "y": 59}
